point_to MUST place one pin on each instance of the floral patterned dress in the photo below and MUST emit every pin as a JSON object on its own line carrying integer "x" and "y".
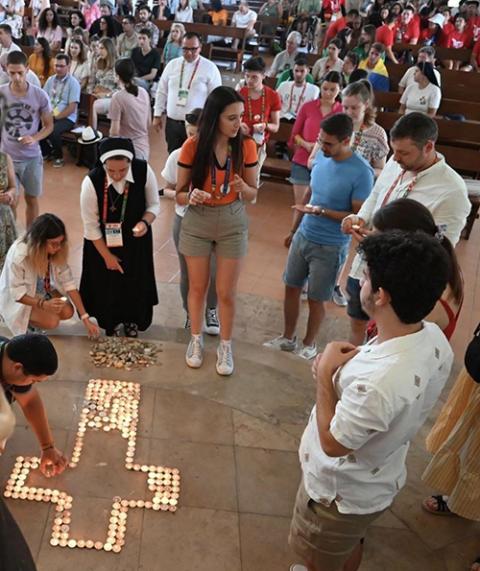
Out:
{"x": 8, "y": 231}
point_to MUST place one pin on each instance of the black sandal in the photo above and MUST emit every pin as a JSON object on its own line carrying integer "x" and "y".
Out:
{"x": 442, "y": 507}
{"x": 113, "y": 332}
{"x": 131, "y": 329}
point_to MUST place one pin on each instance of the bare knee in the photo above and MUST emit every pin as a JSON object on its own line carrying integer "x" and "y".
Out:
{"x": 67, "y": 312}
{"x": 49, "y": 321}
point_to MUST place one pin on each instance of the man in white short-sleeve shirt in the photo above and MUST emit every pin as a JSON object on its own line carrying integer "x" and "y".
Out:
{"x": 297, "y": 92}
{"x": 184, "y": 85}
{"x": 414, "y": 171}
{"x": 244, "y": 18}
{"x": 371, "y": 401}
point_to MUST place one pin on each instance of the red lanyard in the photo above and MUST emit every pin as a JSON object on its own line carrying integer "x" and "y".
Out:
{"x": 112, "y": 208}
{"x": 249, "y": 101}
{"x": 408, "y": 190}
{"x": 191, "y": 78}
{"x": 226, "y": 180}
{"x": 300, "y": 99}
{"x": 357, "y": 138}
{"x": 47, "y": 286}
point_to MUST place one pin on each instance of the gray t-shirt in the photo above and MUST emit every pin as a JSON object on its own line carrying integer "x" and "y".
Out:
{"x": 23, "y": 118}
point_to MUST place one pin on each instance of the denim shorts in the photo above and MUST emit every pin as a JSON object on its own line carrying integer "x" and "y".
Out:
{"x": 223, "y": 228}
{"x": 354, "y": 307}
{"x": 319, "y": 264}
{"x": 299, "y": 175}
{"x": 29, "y": 174}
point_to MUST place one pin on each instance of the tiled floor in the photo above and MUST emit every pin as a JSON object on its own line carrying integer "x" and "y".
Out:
{"x": 234, "y": 440}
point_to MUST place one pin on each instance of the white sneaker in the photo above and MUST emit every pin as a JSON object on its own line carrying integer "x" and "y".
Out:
{"x": 338, "y": 298}
{"x": 306, "y": 351}
{"x": 194, "y": 355}
{"x": 212, "y": 326}
{"x": 224, "y": 359}
{"x": 282, "y": 343}
{"x": 298, "y": 567}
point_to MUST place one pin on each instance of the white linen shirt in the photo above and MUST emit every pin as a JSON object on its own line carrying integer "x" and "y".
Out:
{"x": 385, "y": 395}
{"x": 18, "y": 278}
{"x": 169, "y": 173}
{"x": 439, "y": 188}
{"x": 206, "y": 79}
{"x": 89, "y": 202}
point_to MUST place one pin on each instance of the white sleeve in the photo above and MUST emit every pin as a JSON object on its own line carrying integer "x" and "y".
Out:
{"x": 169, "y": 172}
{"x": 89, "y": 210}
{"x": 435, "y": 98}
{"x": 162, "y": 92}
{"x": 403, "y": 81}
{"x": 151, "y": 193}
{"x": 215, "y": 79}
{"x": 404, "y": 96}
{"x": 18, "y": 284}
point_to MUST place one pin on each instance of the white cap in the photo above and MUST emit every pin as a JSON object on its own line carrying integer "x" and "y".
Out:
{"x": 438, "y": 19}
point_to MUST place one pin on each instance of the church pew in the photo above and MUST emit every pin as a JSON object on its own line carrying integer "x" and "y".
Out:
{"x": 461, "y": 54}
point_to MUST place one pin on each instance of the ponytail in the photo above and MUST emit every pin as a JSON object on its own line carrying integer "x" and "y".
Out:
{"x": 125, "y": 70}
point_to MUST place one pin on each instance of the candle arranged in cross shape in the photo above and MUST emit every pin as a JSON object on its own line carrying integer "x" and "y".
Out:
{"x": 109, "y": 405}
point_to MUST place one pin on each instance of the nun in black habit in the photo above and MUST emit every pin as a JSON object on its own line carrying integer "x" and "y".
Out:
{"x": 119, "y": 202}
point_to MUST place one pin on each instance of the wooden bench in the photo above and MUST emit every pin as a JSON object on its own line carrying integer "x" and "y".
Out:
{"x": 454, "y": 133}
{"x": 461, "y": 54}
{"x": 469, "y": 109}
{"x": 206, "y": 30}
{"x": 278, "y": 169}
{"x": 461, "y": 85}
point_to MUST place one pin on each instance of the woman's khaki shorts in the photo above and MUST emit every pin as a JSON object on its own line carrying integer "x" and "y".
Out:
{"x": 322, "y": 536}
{"x": 224, "y": 228}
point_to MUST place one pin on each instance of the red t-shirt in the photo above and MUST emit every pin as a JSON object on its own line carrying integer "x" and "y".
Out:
{"x": 254, "y": 114}
{"x": 459, "y": 40}
{"x": 476, "y": 51}
{"x": 473, "y": 26}
{"x": 409, "y": 32}
{"x": 334, "y": 28}
{"x": 332, "y": 6}
{"x": 385, "y": 36}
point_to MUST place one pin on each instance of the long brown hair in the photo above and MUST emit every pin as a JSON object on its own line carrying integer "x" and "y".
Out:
{"x": 109, "y": 61}
{"x": 45, "y": 227}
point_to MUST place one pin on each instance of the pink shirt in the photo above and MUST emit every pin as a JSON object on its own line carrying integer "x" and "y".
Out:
{"x": 52, "y": 35}
{"x": 307, "y": 125}
{"x": 91, "y": 13}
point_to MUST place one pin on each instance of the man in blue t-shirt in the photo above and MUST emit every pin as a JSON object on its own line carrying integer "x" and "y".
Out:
{"x": 340, "y": 182}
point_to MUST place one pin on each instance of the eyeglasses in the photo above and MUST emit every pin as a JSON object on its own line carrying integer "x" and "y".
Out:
{"x": 60, "y": 65}
{"x": 191, "y": 49}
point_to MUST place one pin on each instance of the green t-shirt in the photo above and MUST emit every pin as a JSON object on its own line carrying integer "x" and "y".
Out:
{"x": 309, "y": 7}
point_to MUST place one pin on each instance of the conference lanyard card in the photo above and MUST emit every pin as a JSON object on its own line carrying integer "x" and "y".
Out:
{"x": 113, "y": 235}
{"x": 182, "y": 97}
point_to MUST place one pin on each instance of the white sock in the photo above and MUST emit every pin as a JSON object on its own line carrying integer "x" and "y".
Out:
{"x": 197, "y": 337}
{"x": 226, "y": 342}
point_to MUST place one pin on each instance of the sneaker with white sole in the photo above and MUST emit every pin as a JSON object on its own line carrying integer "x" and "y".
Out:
{"x": 194, "y": 355}
{"x": 306, "y": 351}
{"x": 298, "y": 567}
{"x": 282, "y": 344}
{"x": 338, "y": 298}
{"x": 212, "y": 326}
{"x": 224, "y": 359}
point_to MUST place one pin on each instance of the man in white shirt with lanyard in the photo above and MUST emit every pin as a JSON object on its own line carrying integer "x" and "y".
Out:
{"x": 297, "y": 92}
{"x": 416, "y": 171}
{"x": 184, "y": 85}
{"x": 371, "y": 401}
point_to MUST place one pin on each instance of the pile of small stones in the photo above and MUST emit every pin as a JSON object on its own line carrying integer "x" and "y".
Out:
{"x": 122, "y": 353}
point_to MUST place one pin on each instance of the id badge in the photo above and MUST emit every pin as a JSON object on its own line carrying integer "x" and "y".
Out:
{"x": 113, "y": 235}
{"x": 182, "y": 97}
{"x": 56, "y": 111}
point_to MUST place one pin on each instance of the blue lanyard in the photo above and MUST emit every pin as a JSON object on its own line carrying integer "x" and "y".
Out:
{"x": 226, "y": 181}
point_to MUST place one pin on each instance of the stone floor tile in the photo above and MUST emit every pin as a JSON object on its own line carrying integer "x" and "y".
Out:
{"x": 434, "y": 531}
{"x": 460, "y": 555}
{"x": 207, "y": 472}
{"x": 264, "y": 543}
{"x": 255, "y": 433}
{"x": 90, "y": 517}
{"x": 184, "y": 417}
{"x": 267, "y": 481}
{"x": 398, "y": 550}
{"x": 191, "y": 540}
{"x": 101, "y": 471}
{"x": 63, "y": 402}
{"x": 147, "y": 403}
